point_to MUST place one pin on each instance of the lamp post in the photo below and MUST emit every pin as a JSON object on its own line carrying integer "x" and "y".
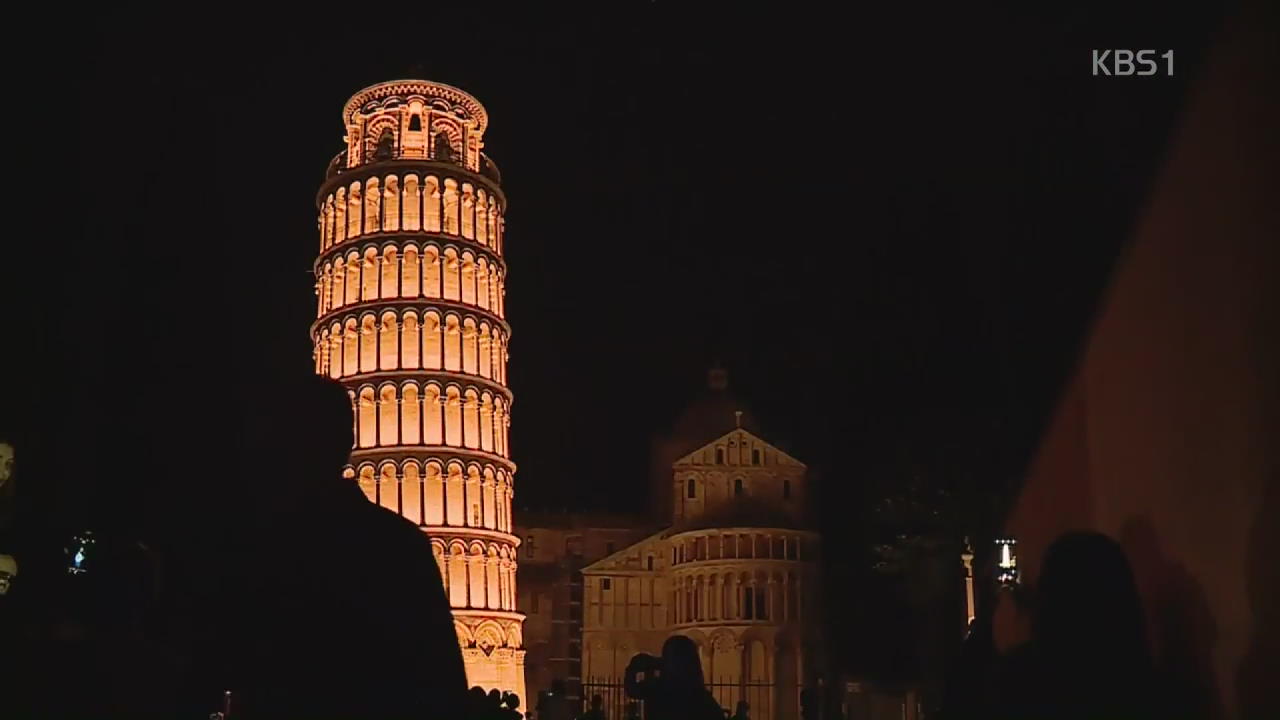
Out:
{"x": 966, "y": 556}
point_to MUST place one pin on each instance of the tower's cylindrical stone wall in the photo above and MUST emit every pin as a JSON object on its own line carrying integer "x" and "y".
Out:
{"x": 411, "y": 319}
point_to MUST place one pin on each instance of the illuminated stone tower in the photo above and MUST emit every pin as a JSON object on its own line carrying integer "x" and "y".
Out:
{"x": 410, "y": 281}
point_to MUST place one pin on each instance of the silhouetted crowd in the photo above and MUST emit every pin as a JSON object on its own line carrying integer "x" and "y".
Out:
{"x": 493, "y": 705}
{"x": 339, "y": 612}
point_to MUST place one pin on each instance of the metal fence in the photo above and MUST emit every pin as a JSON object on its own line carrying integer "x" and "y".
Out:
{"x": 766, "y": 700}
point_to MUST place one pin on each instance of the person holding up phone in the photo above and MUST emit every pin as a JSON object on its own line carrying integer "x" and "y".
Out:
{"x": 1087, "y": 656}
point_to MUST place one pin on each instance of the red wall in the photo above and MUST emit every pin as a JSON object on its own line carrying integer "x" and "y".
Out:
{"x": 1167, "y": 438}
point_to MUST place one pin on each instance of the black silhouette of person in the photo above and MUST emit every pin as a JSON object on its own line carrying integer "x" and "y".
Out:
{"x": 478, "y": 705}
{"x": 348, "y": 615}
{"x": 672, "y": 688}
{"x": 597, "y": 709}
{"x": 554, "y": 704}
{"x": 511, "y": 707}
{"x": 1087, "y": 656}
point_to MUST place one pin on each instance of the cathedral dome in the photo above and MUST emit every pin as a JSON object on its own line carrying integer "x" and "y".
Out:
{"x": 714, "y": 412}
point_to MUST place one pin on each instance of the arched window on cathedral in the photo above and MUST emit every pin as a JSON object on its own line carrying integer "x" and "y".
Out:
{"x": 412, "y": 203}
{"x": 719, "y": 456}
{"x": 389, "y": 342}
{"x": 410, "y": 423}
{"x": 431, "y": 344}
{"x": 452, "y": 275}
{"x": 390, "y": 272}
{"x": 353, "y": 210}
{"x": 452, "y": 343}
{"x": 388, "y": 420}
{"x": 486, "y": 422}
{"x": 453, "y": 419}
{"x": 692, "y": 485}
{"x": 338, "y": 279}
{"x": 368, "y": 344}
{"x": 367, "y": 483}
{"x": 391, "y": 203}
{"x": 786, "y": 489}
{"x": 431, "y": 271}
{"x": 353, "y": 278}
{"x": 755, "y": 456}
{"x": 340, "y": 216}
{"x": 410, "y": 344}
{"x": 389, "y": 488}
{"x": 335, "y": 351}
{"x": 451, "y": 214}
{"x": 386, "y": 145}
{"x": 433, "y": 493}
{"x": 431, "y": 204}
{"x": 372, "y": 206}
{"x": 737, "y": 487}
{"x": 369, "y": 276}
{"x": 433, "y": 433}
{"x": 411, "y": 494}
{"x": 367, "y": 418}
{"x": 468, "y": 210}
{"x": 471, "y": 418}
{"x": 443, "y": 150}
{"x": 454, "y": 496}
{"x": 415, "y": 123}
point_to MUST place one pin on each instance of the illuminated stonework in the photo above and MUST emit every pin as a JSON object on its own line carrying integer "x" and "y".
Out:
{"x": 736, "y": 572}
{"x": 410, "y": 318}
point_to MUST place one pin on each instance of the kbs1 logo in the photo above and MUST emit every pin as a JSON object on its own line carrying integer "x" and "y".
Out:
{"x": 1123, "y": 63}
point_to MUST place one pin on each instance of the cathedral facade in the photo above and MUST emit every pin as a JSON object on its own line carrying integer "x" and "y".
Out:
{"x": 735, "y": 570}
{"x": 411, "y": 319}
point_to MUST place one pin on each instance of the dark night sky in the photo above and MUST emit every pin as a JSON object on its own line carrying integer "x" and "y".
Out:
{"x": 890, "y": 226}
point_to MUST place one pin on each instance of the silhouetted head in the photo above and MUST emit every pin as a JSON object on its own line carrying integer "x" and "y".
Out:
{"x": 1087, "y": 601}
{"x": 8, "y": 490}
{"x": 597, "y": 702}
{"x": 742, "y": 709}
{"x": 681, "y": 666}
{"x": 303, "y": 423}
{"x": 476, "y": 700}
{"x": 495, "y": 698}
{"x": 557, "y": 687}
{"x": 7, "y": 455}
{"x": 511, "y": 700}
{"x": 325, "y": 410}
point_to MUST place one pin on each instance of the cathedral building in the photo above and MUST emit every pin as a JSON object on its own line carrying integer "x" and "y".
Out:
{"x": 734, "y": 569}
{"x": 411, "y": 319}
{"x": 555, "y": 547}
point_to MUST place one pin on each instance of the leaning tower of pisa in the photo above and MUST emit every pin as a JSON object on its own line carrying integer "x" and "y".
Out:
{"x": 411, "y": 319}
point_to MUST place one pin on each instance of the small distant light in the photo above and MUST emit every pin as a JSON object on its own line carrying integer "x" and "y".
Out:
{"x": 78, "y": 552}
